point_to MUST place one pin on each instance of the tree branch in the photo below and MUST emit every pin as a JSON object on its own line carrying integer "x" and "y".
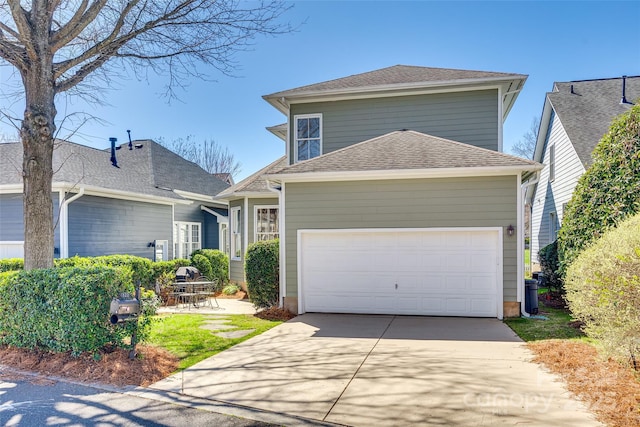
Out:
{"x": 21, "y": 19}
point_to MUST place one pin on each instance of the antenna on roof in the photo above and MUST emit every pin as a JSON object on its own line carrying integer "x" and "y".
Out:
{"x": 624, "y": 91}
{"x": 114, "y": 162}
{"x": 130, "y": 145}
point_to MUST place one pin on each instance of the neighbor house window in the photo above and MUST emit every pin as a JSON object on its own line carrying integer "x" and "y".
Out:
{"x": 186, "y": 238}
{"x": 308, "y": 136}
{"x": 266, "y": 223}
{"x": 552, "y": 163}
{"x": 553, "y": 226}
{"x": 236, "y": 233}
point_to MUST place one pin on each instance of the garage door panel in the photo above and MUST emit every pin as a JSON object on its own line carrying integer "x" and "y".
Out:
{"x": 436, "y": 272}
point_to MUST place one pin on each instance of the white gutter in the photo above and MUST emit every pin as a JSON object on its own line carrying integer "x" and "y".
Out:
{"x": 521, "y": 288}
{"x": 64, "y": 222}
{"x": 278, "y": 190}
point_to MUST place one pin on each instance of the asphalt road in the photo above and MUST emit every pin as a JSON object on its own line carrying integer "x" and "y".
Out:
{"x": 38, "y": 401}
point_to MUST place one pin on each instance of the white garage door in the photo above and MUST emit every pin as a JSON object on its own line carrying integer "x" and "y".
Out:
{"x": 451, "y": 272}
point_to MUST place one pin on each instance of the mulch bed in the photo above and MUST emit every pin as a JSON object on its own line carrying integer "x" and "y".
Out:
{"x": 275, "y": 313}
{"x": 552, "y": 299}
{"x": 112, "y": 367}
{"x": 608, "y": 388}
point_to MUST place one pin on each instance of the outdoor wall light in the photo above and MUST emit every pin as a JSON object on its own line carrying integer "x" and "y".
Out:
{"x": 510, "y": 230}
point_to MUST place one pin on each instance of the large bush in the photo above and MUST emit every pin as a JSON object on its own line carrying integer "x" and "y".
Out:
{"x": 548, "y": 258}
{"x": 219, "y": 264}
{"x": 203, "y": 265}
{"x": 262, "y": 270}
{"x": 11, "y": 264}
{"x": 603, "y": 289}
{"x": 607, "y": 192}
{"x": 65, "y": 309}
{"x": 140, "y": 267}
{"x": 163, "y": 268}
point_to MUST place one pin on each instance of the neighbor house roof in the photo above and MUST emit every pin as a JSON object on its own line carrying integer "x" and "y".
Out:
{"x": 398, "y": 78}
{"x": 255, "y": 183}
{"x": 587, "y": 112}
{"x": 406, "y": 151}
{"x": 150, "y": 169}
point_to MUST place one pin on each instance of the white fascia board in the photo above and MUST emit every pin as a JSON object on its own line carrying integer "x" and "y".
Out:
{"x": 11, "y": 188}
{"x": 545, "y": 123}
{"x": 222, "y": 219}
{"x": 400, "y": 174}
{"x": 242, "y": 194}
{"x": 91, "y": 190}
{"x": 195, "y": 196}
{"x": 282, "y": 103}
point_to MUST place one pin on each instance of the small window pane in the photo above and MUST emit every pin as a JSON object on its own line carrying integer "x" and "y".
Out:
{"x": 303, "y": 150}
{"x": 303, "y": 128}
{"x": 314, "y": 128}
{"x": 314, "y": 148}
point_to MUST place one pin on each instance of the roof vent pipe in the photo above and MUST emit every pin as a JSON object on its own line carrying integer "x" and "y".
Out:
{"x": 114, "y": 162}
{"x": 572, "y": 92}
{"x": 624, "y": 91}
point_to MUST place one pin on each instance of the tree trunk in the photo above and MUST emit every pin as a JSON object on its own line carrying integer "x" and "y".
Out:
{"x": 37, "y": 134}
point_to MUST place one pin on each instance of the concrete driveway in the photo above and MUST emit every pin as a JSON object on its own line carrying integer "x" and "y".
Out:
{"x": 366, "y": 370}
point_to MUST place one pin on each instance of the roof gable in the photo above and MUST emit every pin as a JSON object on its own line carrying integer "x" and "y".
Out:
{"x": 587, "y": 108}
{"x": 407, "y": 150}
{"x": 255, "y": 183}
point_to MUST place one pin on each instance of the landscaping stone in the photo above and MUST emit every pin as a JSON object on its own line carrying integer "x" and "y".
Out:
{"x": 234, "y": 334}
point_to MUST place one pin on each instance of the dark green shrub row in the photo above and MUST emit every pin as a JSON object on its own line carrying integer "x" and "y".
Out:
{"x": 160, "y": 268}
{"x": 603, "y": 290}
{"x": 217, "y": 267}
{"x": 140, "y": 267}
{"x": 548, "y": 258}
{"x": 65, "y": 309}
{"x": 262, "y": 269}
{"x": 11, "y": 264}
{"x": 607, "y": 192}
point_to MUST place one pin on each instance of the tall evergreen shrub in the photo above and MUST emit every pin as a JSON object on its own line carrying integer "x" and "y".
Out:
{"x": 262, "y": 270}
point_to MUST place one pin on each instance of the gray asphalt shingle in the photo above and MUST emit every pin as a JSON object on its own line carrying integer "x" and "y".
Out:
{"x": 255, "y": 183}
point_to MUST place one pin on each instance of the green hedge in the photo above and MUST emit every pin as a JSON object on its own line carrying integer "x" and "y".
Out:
{"x": 63, "y": 309}
{"x": 140, "y": 267}
{"x": 11, "y": 264}
{"x": 160, "y": 268}
{"x": 262, "y": 270}
{"x": 607, "y": 192}
{"x": 603, "y": 290}
{"x": 548, "y": 258}
{"x": 219, "y": 264}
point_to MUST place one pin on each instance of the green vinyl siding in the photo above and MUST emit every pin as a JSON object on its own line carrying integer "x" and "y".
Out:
{"x": 470, "y": 117}
{"x": 418, "y": 203}
{"x": 236, "y": 270}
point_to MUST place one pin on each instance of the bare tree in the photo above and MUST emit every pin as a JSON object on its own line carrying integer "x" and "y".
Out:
{"x": 526, "y": 146}
{"x": 79, "y": 47}
{"x": 208, "y": 154}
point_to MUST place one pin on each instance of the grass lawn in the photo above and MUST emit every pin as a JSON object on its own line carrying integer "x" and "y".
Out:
{"x": 182, "y": 335}
{"x": 527, "y": 256}
{"x": 556, "y": 327}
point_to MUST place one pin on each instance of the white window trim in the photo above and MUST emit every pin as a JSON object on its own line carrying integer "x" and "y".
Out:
{"x": 232, "y": 225}
{"x": 178, "y": 244}
{"x": 295, "y": 133}
{"x": 552, "y": 162}
{"x": 255, "y": 219}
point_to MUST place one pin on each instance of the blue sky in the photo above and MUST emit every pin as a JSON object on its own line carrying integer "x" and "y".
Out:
{"x": 547, "y": 40}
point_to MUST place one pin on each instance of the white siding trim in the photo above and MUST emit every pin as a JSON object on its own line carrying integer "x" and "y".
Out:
{"x": 520, "y": 244}
{"x": 245, "y": 238}
{"x": 500, "y": 119}
{"x": 283, "y": 247}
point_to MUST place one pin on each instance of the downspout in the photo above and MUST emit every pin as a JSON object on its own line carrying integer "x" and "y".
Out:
{"x": 64, "y": 223}
{"x": 278, "y": 190}
{"x": 523, "y": 188}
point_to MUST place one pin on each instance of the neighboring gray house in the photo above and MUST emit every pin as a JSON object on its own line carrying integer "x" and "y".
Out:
{"x": 155, "y": 204}
{"x": 575, "y": 116}
{"x": 394, "y": 196}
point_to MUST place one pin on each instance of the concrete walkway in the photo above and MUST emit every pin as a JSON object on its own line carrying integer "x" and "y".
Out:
{"x": 365, "y": 370}
{"x": 226, "y": 306}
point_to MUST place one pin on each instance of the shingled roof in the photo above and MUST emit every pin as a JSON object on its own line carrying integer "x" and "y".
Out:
{"x": 587, "y": 113}
{"x": 150, "y": 169}
{"x": 255, "y": 183}
{"x": 401, "y": 77}
{"x": 408, "y": 150}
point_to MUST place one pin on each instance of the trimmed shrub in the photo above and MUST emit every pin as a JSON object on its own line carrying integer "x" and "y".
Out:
{"x": 63, "y": 309}
{"x": 548, "y": 258}
{"x": 607, "y": 192}
{"x": 11, "y": 264}
{"x": 230, "y": 289}
{"x": 160, "y": 268}
{"x": 262, "y": 269}
{"x": 219, "y": 264}
{"x": 603, "y": 290}
{"x": 140, "y": 267}
{"x": 203, "y": 265}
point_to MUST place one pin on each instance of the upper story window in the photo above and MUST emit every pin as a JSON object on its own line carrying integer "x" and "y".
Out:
{"x": 308, "y": 136}
{"x": 552, "y": 163}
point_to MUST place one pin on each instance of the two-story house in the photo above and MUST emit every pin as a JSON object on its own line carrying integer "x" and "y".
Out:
{"x": 575, "y": 116}
{"x": 394, "y": 196}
